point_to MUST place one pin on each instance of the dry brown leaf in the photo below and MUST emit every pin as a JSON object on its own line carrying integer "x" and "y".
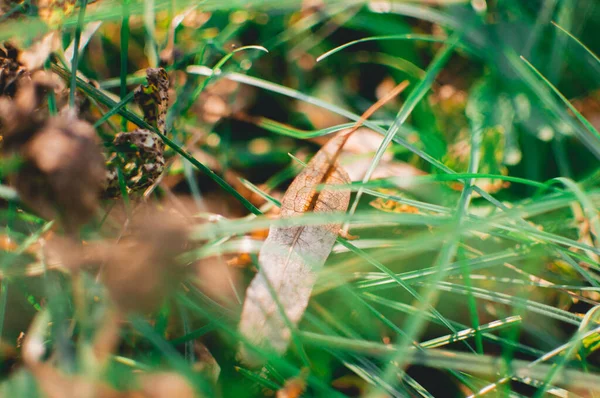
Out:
{"x": 292, "y": 256}
{"x": 139, "y": 154}
{"x": 63, "y": 170}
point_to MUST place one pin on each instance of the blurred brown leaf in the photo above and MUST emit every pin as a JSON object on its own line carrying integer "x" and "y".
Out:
{"x": 141, "y": 269}
{"x": 63, "y": 168}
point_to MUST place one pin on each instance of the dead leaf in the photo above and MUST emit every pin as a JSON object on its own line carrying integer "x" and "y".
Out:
{"x": 139, "y": 154}
{"x": 63, "y": 170}
{"x": 141, "y": 269}
{"x": 292, "y": 256}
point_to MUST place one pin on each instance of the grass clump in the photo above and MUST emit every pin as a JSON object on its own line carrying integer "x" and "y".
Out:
{"x": 133, "y": 209}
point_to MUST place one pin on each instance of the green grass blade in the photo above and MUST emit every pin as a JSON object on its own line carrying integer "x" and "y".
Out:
{"x": 124, "y": 55}
{"x": 104, "y": 99}
{"x": 586, "y": 48}
{"x": 75, "y": 60}
{"x": 593, "y": 141}
{"x": 426, "y": 38}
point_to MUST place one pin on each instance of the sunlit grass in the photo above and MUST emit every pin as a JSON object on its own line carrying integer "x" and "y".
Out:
{"x": 494, "y": 290}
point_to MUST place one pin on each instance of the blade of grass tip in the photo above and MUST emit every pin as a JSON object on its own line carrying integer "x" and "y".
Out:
{"x": 107, "y": 101}
{"x": 594, "y": 140}
{"x": 586, "y": 48}
{"x": 75, "y": 61}
{"x": 124, "y": 55}
{"x": 413, "y": 99}
{"x": 427, "y": 38}
{"x": 289, "y": 131}
{"x": 8, "y": 193}
{"x": 216, "y": 70}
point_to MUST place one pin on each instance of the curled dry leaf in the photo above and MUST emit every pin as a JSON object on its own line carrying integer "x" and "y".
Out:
{"x": 139, "y": 154}
{"x": 292, "y": 256}
{"x": 64, "y": 172}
